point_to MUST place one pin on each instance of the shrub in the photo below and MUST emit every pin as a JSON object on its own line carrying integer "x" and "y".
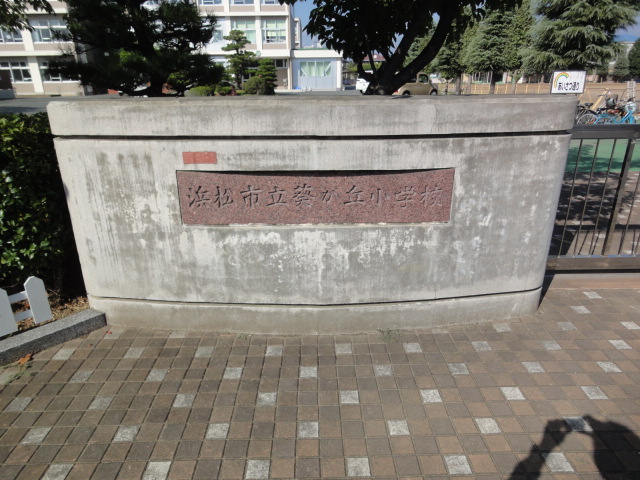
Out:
{"x": 35, "y": 228}
{"x": 204, "y": 91}
{"x": 263, "y": 83}
{"x": 222, "y": 90}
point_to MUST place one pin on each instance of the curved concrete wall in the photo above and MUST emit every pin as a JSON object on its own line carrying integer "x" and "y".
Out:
{"x": 144, "y": 266}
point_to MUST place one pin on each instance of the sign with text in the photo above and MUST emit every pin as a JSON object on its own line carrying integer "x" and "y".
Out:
{"x": 276, "y": 198}
{"x": 568, "y": 82}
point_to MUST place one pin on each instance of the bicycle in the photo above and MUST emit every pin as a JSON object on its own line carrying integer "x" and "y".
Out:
{"x": 622, "y": 113}
{"x": 583, "y": 111}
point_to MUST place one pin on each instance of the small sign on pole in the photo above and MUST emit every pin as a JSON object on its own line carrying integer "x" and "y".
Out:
{"x": 568, "y": 81}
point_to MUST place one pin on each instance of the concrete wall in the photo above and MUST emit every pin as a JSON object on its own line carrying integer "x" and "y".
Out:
{"x": 142, "y": 266}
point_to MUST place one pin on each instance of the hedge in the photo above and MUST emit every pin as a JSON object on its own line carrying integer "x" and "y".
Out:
{"x": 35, "y": 229}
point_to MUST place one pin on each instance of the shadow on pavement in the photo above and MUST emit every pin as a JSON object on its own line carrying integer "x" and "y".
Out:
{"x": 615, "y": 449}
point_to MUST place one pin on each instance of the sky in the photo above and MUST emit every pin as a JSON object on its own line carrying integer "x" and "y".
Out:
{"x": 301, "y": 10}
{"x": 630, "y": 34}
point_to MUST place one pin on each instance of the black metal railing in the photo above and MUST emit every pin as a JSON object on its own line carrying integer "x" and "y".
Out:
{"x": 598, "y": 222}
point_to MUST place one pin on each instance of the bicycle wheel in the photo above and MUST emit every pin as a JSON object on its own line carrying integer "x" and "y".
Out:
{"x": 587, "y": 119}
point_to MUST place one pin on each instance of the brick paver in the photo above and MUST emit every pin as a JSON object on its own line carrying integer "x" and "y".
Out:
{"x": 555, "y": 395}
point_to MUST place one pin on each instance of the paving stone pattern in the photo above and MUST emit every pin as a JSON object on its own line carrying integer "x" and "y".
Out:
{"x": 554, "y": 395}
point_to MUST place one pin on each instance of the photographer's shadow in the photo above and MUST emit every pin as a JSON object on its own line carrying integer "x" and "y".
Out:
{"x": 609, "y": 439}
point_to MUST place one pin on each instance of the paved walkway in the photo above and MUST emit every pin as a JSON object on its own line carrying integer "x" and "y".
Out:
{"x": 554, "y": 395}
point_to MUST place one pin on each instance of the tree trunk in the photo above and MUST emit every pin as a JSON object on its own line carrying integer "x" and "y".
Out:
{"x": 492, "y": 85}
{"x": 459, "y": 84}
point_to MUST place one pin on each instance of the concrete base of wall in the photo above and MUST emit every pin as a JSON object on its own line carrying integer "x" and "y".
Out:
{"x": 332, "y": 319}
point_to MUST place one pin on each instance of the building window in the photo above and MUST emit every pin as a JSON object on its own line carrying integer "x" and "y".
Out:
{"x": 317, "y": 68}
{"x": 217, "y": 36}
{"x": 280, "y": 62}
{"x": 19, "y": 71}
{"x": 270, "y": 2}
{"x": 48, "y": 77}
{"x": 45, "y": 30}
{"x": 241, "y": 2}
{"x": 14, "y": 36}
{"x": 246, "y": 26}
{"x": 210, "y": 2}
{"x": 274, "y": 31}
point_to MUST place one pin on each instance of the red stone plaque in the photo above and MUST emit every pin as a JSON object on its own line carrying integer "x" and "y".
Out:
{"x": 276, "y": 198}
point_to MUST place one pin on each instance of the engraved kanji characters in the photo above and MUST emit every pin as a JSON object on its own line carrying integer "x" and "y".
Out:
{"x": 222, "y": 197}
{"x": 198, "y": 197}
{"x": 276, "y": 197}
{"x": 431, "y": 196}
{"x": 405, "y": 196}
{"x": 322, "y": 195}
{"x": 302, "y": 195}
{"x": 251, "y": 196}
{"x": 354, "y": 196}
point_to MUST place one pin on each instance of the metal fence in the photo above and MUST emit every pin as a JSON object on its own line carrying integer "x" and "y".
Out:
{"x": 598, "y": 221}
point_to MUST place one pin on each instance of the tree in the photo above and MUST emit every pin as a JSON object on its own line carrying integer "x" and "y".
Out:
{"x": 128, "y": 45}
{"x": 269, "y": 75}
{"x": 360, "y": 28}
{"x": 487, "y": 49}
{"x": 621, "y": 67}
{"x": 634, "y": 59}
{"x": 496, "y": 44}
{"x": 577, "y": 34}
{"x": 12, "y": 16}
{"x": 264, "y": 81}
{"x": 450, "y": 60}
{"x": 240, "y": 61}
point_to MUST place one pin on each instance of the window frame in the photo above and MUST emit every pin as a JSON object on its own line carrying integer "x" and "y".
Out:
{"x": 281, "y": 30}
{"x": 22, "y": 66}
{"x": 251, "y": 21}
{"x": 47, "y": 25}
{"x": 12, "y": 35}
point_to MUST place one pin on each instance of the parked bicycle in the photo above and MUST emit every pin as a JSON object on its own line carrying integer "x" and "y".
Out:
{"x": 605, "y": 100}
{"x": 620, "y": 113}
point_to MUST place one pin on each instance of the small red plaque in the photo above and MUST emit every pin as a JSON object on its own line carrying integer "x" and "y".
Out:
{"x": 199, "y": 157}
{"x": 276, "y": 198}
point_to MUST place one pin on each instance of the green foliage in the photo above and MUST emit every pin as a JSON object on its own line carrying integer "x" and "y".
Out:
{"x": 128, "y": 46}
{"x": 204, "y": 91}
{"x": 361, "y": 28}
{"x": 12, "y": 16}
{"x": 450, "y": 60}
{"x": 35, "y": 229}
{"x": 256, "y": 86}
{"x": 577, "y": 34}
{"x": 416, "y": 47}
{"x": 496, "y": 44}
{"x": 267, "y": 71}
{"x": 634, "y": 59}
{"x": 621, "y": 67}
{"x": 240, "y": 61}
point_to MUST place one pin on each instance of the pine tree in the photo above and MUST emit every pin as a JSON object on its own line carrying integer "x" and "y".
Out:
{"x": 269, "y": 75}
{"x": 450, "y": 60}
{"x": 634, "y": 60}
{"x": 621, "y": 67}
{"x": 489, "y": 48}
{"x": 241, "y": 61}
{"x": 128, "y": 45}
{"x": 577, "y": 34}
